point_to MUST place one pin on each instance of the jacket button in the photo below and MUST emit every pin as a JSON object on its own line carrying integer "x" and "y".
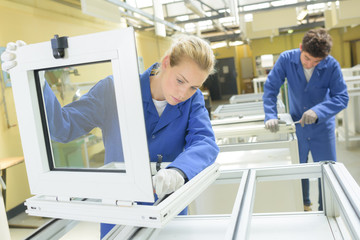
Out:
{"x": 309, "y": 139}
{"x": 153, "y": 136}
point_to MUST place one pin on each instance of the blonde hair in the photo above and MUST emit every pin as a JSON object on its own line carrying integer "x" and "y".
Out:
{"x": 195, "y": 48}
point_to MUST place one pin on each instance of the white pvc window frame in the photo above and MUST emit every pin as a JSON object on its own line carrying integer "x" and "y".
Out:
{"x": 118, "y": 47}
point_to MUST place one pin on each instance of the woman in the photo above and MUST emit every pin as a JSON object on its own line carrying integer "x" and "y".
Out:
{"x": 177, "y": 123}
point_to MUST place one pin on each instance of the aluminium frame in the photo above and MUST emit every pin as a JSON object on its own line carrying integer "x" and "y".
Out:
{"x": 244, "y": 109}
{"x": 246, "y": 126}
{"x": 341, "y": 214}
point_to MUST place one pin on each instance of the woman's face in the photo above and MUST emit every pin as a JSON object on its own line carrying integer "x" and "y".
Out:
{"x": 180, "y": 82}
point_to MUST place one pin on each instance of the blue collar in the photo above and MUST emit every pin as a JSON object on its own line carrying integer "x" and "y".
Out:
{"x": 145, "y": 83}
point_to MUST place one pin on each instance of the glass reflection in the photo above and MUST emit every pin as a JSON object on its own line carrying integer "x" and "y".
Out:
{"x": 77, "y": 108}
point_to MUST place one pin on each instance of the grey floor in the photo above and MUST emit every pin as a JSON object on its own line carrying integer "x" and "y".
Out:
{"x": 23, "y": 225}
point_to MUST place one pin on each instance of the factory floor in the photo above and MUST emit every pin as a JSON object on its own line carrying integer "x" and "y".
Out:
{"x": 23, "y": 225}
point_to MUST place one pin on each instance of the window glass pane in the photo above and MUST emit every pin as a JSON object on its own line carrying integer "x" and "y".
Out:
{"x": 80, "y": 107}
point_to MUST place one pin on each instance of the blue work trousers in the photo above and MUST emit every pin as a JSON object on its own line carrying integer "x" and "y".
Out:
{"x": 306, "y": 193}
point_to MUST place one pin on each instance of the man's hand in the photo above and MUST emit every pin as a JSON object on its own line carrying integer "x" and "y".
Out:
{"x": 309, "y": 117}
{"x": 167, "y": 181}
{"x": 272, "y": 125}
{"x": 9, "y": 56}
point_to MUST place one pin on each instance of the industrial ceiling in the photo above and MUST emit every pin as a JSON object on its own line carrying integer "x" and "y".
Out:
{"x": 216, "y": 20}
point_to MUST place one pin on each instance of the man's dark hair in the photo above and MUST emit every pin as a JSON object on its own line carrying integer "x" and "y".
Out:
{"x": 317, "y": 42}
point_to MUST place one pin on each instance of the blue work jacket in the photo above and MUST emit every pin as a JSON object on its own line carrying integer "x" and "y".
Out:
{"x": 325, "y": 93}
{"x": 182, "y": 135}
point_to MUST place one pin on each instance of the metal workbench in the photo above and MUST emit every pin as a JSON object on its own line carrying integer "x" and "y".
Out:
{"x": 249, "y": 133}
{"x": 348, "y": 120}
{"x": 248, "y": 97}
{"x": 244, "y": 109}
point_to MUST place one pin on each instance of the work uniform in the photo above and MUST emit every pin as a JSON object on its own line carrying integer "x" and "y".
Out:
{"x": 182, "y": 135}
{"x": 325, "y": 93}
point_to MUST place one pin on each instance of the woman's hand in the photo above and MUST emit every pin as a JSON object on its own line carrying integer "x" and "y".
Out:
{"x": 167, "y": 181}
{"x": 9, "y": 56}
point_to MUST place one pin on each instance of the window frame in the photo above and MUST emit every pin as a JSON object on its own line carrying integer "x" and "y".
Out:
{"x": 119, "y": 47}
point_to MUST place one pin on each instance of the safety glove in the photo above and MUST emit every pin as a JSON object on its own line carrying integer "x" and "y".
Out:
{"x": 167, "y": 181}
{"x": 8, "y": 57}
{"x": 309, "y": 117}
{"x": 272, "y": 125}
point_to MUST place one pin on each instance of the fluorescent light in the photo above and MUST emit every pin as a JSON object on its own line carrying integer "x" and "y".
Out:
{"x": 313, "y": 8}
{"x": 257, "y": 6}
{"x": 283, "y": 3}
{"x": 302, "y": 15}
{"x": 218, "y": 45}
{"x": 225, "y": 44}
{"x": 182, "y": 18}
{"x": 248, "y": 17}
{"x": 236, "y": 43}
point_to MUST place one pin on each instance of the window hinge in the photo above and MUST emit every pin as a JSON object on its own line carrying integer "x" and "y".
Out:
{"x": 118, "y": 202}
{"x": 63, "y": 199}
{"x": 57, "y": 198}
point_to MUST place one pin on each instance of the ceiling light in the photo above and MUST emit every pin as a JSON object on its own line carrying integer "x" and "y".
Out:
{"x": 236, "y": 43}
{"x": 302, "y": 15}
{"x": 248, "y": 17}
{"x": 218, "y": 45}
{"x": 283, "y": 3}
{"x": 257, "y": 6}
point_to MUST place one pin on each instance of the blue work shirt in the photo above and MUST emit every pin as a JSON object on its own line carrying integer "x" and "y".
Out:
{"x": 325, "y": 93}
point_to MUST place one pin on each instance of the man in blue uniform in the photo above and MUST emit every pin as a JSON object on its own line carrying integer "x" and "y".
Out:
{"x": 317, "y": 92}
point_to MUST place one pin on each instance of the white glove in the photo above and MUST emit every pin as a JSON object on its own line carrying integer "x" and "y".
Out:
{"x": 9, "y": 56}
{"x": 167, "y": 181}
{"x": 309, "y": 117}
{"x": 272, "y": 125}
